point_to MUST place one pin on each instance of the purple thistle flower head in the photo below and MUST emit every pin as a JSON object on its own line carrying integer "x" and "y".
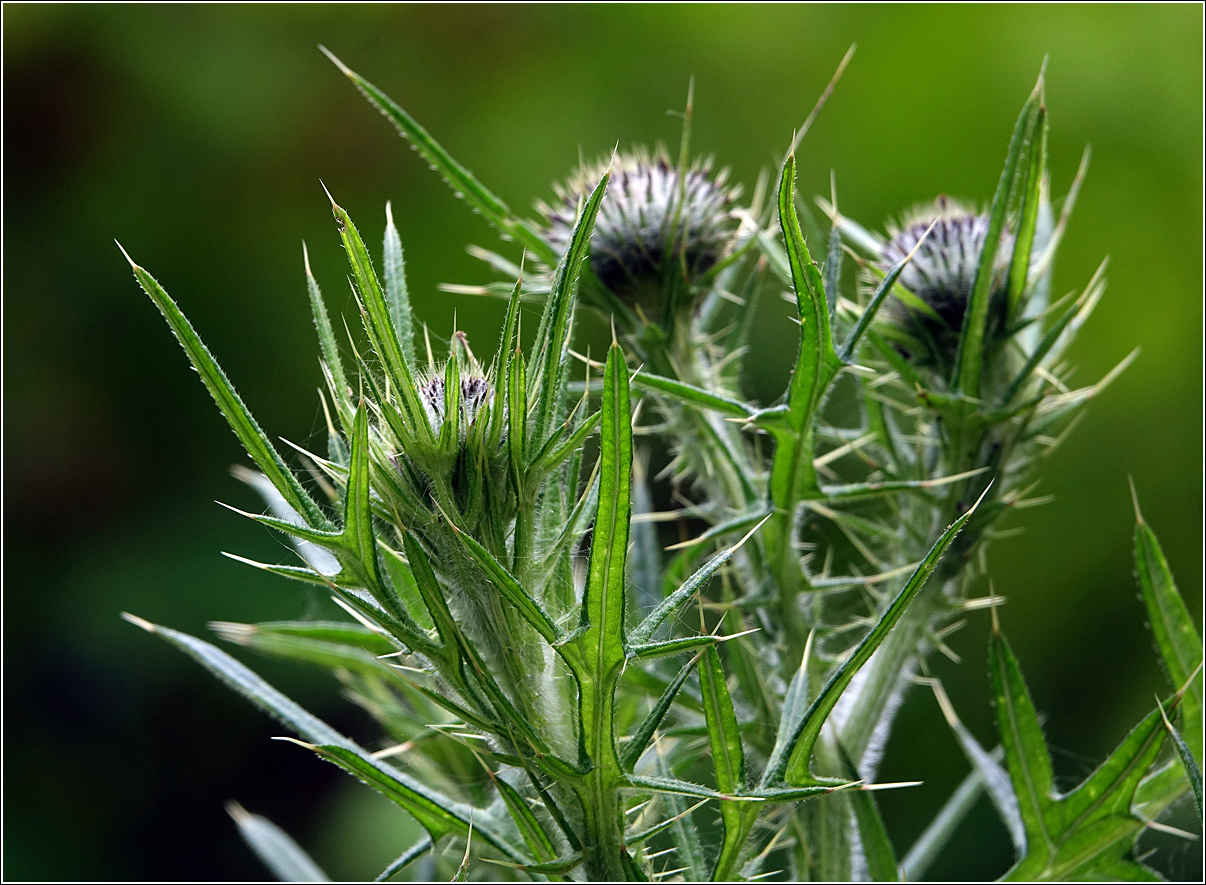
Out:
{"x": 654, "y": 221}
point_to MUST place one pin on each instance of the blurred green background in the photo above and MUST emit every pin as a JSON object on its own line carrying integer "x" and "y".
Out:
{"x": 197, "y": 136}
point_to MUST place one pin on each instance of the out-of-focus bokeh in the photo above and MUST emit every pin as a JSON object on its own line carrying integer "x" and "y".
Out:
{"x": 197, "y": 136}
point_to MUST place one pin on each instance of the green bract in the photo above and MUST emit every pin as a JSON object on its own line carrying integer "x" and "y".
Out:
{"x": 572, "y": 698}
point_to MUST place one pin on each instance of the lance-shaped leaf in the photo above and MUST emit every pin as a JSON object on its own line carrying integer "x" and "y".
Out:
{"x": 791, "y": 715}
{"x": 557, "y": 449}
{"x": 1179, "y": 643}
{"x": 438, "y": 814}
{"x": 1192, "y": 771}
{"x": 794, "y": 765}
{"x": 359, "y": 543}
{"x": 643, "y": 736}
{"x": 1048, "y": 341}
{"x": 284, "y": 857}
{"x": 1032, "y": 190}
{"x": 406, "y": 858}
{"x": 379, "y": 325}
{"x": 643, "y": 632}
{"x": 969, "y": 356}
{"x": 460, "y": 179}
{"x": 507, "y": 346}
{"x": 597, "y": 651}
{"x": 526, "y": 821}
{"x": 1073, "y": 835}
{"x": 792, "y": 473}
{"x": 396, "y": 293}
{"x": 551, "y": 346}
{"x": 728, "y": 761}
{"x": 230, "y": 403}
{"x": 326, "y": 339}
{"x": 1026, "y": 756}
{"x": 340, "y": 653}
{"x": 336, "y": 632}
{"x": 692, "y": 396}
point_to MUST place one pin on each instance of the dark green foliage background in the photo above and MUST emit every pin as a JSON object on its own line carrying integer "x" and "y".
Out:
{"x": 198, "y": 135}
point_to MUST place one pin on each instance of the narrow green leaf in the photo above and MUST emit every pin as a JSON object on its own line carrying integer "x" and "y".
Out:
{"x": 1192, "y": 771}
{"x": 791, "y": 717}
{"x": 643, "y": 736}
{"x": 649, "y": 650}
{"x": 728, "y": 757}
{"x": 358, "y": 537}
{"x": 245, "y": 427}
{"x": 1048, "y": 341}
{"x": 677, "y": 787}
{"x": 405, "y": 587}
{"x": 460, "y": 179}
{"x": 348, "y": 654}
{"x": 406, "y": 858}
{"x": 728, "y": 761}
{"x": 643, "y": 632}
{"x": 600, "y": 642}
{"x": 1179, "y": 643}
{"x": 692, "y": 396}
{"x": 553, "y": 336}
{"x": 872, "y": 308}
{"x": 1110, "y": 789}
{"x": 969, "y": 356}
{"x": 507, "y": 345}
{"x": 284, "y": 857}
{"x": 560, "y": 865}
{"x": 1026, "y": 756}
{"x": 804, "y": 737}
{"x": 396, "y": 293}
{"x": 450, "y": 429}
{"x": 553, "y": 456}
{"x": 517, "y": 412}
{"x": 437, "y": 814}
{"x": 293, "y": 572}
{"x": 379, "y": 324}
{"x": 792, "y": 473}
{"x": 326, "y": 338}
{"x": 337, "y": 632}
{"x": 1036, "y": 170}
{"x": 526, "y": 822}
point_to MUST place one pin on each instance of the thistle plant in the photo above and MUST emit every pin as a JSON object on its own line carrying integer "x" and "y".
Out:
{"x": 574, "y": 698}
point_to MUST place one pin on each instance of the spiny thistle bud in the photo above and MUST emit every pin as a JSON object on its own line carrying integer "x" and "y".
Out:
{"x": 475, "y": 396}
{"x": 468, "y": 455}
{"x": 940, "y": 275}
{"x": 656, "y": 229}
